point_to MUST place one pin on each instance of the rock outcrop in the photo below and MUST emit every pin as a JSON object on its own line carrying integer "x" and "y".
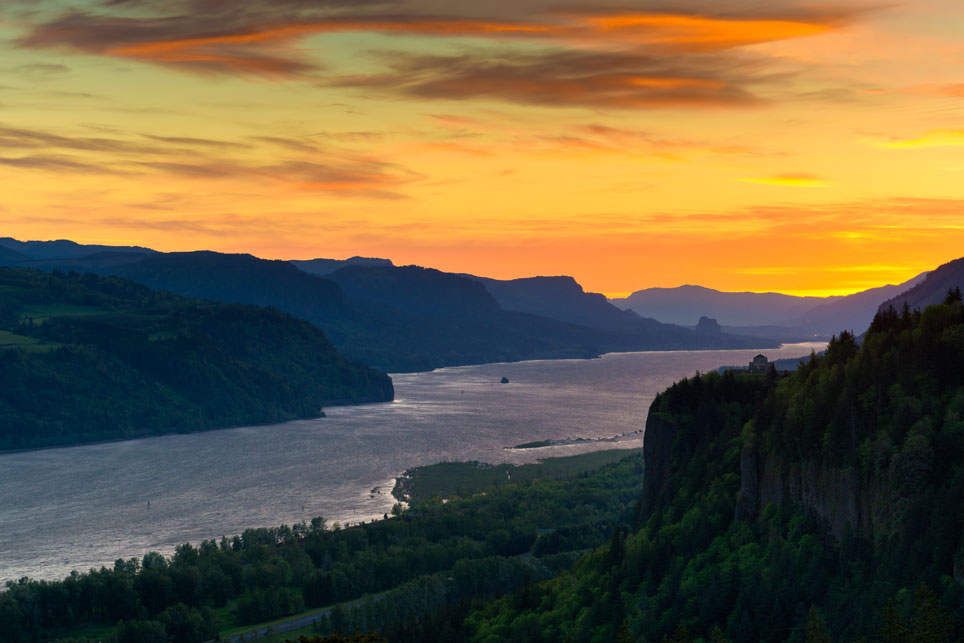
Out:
{"x": 836, "y": 495}
{"x": 657, "y": 456}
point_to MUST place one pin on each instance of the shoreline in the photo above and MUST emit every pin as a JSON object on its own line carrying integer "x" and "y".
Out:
{"x": 149, "y": 435}
{"x": 776, "y": 346}
{"x": 455, "y": 478}
{"x": 342, "y": 403}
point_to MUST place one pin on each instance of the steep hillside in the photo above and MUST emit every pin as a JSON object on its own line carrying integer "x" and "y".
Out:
{"x": 63, "y": 249}
{"x": 416, "y": 290}
{"x": 852, "y": 312}
{"x": 823, "y": 505}
{"x": 932, "y": 289}
{"x": 324, "y": 267}
{"x": 242, "y": 279}
{"x": 89, "y": 358}
{"x": 394, "y": 318}
{"x": 564, "y": 299}
{"x": 397, "y": 319}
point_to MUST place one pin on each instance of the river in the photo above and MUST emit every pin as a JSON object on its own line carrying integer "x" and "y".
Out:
{"x": 81, "y": 507}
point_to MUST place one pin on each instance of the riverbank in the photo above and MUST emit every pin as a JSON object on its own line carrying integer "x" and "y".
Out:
{"x": 460, "y": 479}
{"x": 144, "y": 435}
{"x": 75, "y": 508}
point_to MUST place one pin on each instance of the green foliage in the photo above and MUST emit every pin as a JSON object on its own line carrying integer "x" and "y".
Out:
{"x": 120, "y": 360}
{"x": 341, "y": 637}
{"x": 889, "y": 410}
{"x": 451, "y": 479}
{"x": 433, "y": 558}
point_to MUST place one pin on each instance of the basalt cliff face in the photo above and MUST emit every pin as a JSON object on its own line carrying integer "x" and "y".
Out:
{"x": 849, "y": 501}
{"x": 869, "y": 439}
{"x": 823, "y": 504}
{"x": 836, "y": 495}
{"x": 657, "y": 455}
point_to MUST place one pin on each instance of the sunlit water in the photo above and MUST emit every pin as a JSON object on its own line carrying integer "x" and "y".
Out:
{"x": 82, "y": 507}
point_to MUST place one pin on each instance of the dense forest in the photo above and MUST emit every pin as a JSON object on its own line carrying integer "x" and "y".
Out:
{"x": 819, "y": 505}
{"x": 86, "y": 358}
{"x": 827, "y": 504}
{"x": 396, "y": 319}
{"x": 434, "y": 556}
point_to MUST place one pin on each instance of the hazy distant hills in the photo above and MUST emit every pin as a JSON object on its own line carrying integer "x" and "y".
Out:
{"x": 324, "y": 267}
{"x": 773, "y": 315}
{"x": 395, "y": 318}
{"x": 85, "y": 358}
{"x": 853, "y": 312}
{"x": 238, "y": 278}
{"x": 564, "y": 299}
{"x": 63, "y": 249}
{"x": 462, "y": 319}
{"x": 932, "y": 289}
{"x": 686, "y": 304}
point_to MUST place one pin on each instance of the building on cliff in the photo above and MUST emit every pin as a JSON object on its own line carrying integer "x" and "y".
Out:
{"x": 759, "y": 364}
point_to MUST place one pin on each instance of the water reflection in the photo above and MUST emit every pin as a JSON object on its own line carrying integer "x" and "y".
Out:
{"x": 78, "y": 507}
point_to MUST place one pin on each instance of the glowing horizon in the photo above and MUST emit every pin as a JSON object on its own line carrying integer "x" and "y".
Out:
{"x": 736, "y": 146}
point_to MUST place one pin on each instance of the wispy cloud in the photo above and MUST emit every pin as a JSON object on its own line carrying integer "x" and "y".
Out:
{"x": 933, "y": 138}
{"x": 341, "y": 172}
{"x": 12, "y": 137}
{"x": 566, "y": 78}
{"x": 211, "y": 36}
{"x": 57, "y": 164}
{"x": 795, "y": 180}
{"x": 192, "y": 141}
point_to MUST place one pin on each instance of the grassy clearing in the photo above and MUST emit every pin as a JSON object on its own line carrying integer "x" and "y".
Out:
{"x": 39, "y": 312}
{"x": 449, "y": 479}
{"x": 22, "y": 342}
{"x": 12, "y": 339}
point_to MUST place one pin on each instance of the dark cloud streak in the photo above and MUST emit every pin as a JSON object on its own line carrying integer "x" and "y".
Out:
{"x": 568, "y": 78}
{"x": 57, "y": 164}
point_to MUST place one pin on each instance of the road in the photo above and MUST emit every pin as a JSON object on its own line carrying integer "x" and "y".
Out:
{"x": 289, "y": 625}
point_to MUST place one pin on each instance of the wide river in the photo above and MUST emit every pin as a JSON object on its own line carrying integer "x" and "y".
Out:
{"x": 82, "y": 507}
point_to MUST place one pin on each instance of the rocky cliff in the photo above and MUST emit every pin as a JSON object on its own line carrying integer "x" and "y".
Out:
{"x": 836, "y": 495}
{"x": 657, "y": 456}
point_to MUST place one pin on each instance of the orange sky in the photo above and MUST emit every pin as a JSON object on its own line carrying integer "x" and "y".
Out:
{"x": 735, "y": 144}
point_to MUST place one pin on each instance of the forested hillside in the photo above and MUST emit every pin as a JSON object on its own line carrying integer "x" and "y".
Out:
{"x": 86, "y": 358}
{"x": 396, "y": 319}
{"x": 434, "y": 560}
{"x": 823, "y": 505}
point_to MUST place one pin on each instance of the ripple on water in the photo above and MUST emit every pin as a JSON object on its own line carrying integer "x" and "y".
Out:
{"x": 82, "y": 507}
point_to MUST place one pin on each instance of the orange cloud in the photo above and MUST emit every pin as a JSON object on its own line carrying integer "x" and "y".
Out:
{"x": 702, "y": 32}
{"x": 933, "y": 138}
{"x": 790, "y": 180}
{"x": 237, "y": 46}
{"x": 455, "y": 121}
{"x": 344, "y": 173}
{"x": 620, "y": 80}
{"x": 947, "y": 90}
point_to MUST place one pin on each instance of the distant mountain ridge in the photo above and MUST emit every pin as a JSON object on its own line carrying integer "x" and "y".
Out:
{"x": 785, "y": 317}
{"x": 63, "y": 249}
{"x": 686, "y": 304}
{"x": 324, "y": 267}
{"x": 398, "y": 318}
{"x": 564, "y": 299}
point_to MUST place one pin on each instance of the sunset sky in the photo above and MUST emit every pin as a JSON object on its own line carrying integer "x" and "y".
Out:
{"x": 802, "y": 147}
